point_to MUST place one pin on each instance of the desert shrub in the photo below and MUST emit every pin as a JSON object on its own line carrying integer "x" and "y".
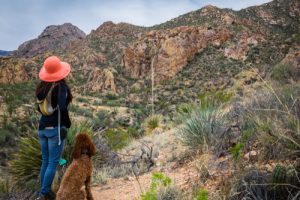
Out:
{"x": 83, "y": 100}
{"x": 152, "y": 122}
{"x": 106, "y": 172}
{"x": 281, "y": 184}
{"x": 102, "y": 119}
{"x": 282, "y": 72}
{"x": 83, "y": 112}
{"x": 184, "y": 111}
{"x": 275, "y": 117}
{"x": 5, "y": 136}
{"x": 169, "y": 193}
{"x": 202, "y": 128}
{"x": 111, "y": 96}
{"x": 158, "y": 181}
{"x": 252, "y": 185}
{"x": 113, "y": 103}
{"x": 134, "y": 131}
{"x": 214, "y": 98}
{"x": 116, "y": 138}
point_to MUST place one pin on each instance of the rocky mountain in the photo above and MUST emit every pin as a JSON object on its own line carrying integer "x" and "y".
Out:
{"x": 209, "y": 47}
{"x": 53, "y": 38}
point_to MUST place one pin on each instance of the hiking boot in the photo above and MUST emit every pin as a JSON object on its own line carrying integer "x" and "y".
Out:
{"x": 50, "y": 196}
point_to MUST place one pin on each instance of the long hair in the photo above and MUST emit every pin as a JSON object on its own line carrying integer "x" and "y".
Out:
{"x": 43, "y": 88}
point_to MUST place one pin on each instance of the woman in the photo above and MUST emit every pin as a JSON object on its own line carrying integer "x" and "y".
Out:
{"x": 52, "y": 125}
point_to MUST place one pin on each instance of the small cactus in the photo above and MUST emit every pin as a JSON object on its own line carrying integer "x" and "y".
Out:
{"x": 279, "y": 174}
{"x": 291, "y": 175}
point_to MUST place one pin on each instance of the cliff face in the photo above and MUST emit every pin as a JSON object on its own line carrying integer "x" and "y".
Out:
{"x": 169, "y": 50}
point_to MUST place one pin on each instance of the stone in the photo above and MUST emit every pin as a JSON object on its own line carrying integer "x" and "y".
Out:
{"x": 168, "y": 51}
{"x": 252, "y": 155}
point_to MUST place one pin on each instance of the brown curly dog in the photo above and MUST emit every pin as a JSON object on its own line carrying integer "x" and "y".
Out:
{"x": 79, "y": 172}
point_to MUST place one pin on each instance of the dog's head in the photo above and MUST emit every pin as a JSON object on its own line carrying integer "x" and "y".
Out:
{"x": 83, "y": 145}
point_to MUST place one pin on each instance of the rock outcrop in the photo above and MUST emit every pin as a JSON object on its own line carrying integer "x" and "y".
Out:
{"x": 101, "y": 80}
{"x": 169, "y": 50}
{"x": 12, "y": 71}
{"x": 292, "y": 60}
{"x": 244, "y": 41}
{"x": 53, "y": 38}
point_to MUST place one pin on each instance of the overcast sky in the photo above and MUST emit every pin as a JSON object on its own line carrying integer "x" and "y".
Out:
{"x": 22, "y": 20}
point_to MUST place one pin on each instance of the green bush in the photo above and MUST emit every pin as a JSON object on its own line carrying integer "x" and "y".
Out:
{"x": 282, "y": 72}
{"x": 5, "y": 136}
{"x": 214, "y": 98}
{"x": 184, "y": 111}
{"x": 116, "y": 138}
{"x": 84, "y": 112}
{"x": 102, "y": 119}
{"x": 83, "y": 100}
{"x": 158, "y": 181}
{"x": 134, "y": 131}
{"x": 202, "y": 194}
{"x": 237, "y": 151}
{"x": 152, "y": 122}
{"x": 111, "y": 96}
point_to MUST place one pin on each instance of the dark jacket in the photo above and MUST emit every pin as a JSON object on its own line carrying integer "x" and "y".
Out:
{"x": 59, "y": 96}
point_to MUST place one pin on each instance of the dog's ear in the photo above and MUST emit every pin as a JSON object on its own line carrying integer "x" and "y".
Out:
{"x": 76, "y": 152}
{"x": 91, "y": 148}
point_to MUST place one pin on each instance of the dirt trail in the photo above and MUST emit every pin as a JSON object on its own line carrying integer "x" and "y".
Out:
{"x": 128, "y": 188}
{"x": 168, "y": 152}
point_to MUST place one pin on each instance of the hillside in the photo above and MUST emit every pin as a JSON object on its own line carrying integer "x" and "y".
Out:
{"x": 227, "y": 64}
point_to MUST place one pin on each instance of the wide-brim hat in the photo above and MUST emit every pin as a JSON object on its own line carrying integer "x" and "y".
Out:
{"x": 54, "y": 70}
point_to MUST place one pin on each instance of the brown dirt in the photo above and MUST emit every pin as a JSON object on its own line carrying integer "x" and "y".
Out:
{"x": 128, "y": 188}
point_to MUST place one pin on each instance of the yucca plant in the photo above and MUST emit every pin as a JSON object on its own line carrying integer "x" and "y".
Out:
{"x": 27, "y": 161}
{"x": 152, "y": 122}
{"x": 202, "y": 128}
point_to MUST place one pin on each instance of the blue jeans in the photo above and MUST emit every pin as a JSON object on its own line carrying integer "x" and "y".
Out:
{"x": 51, "y": 153}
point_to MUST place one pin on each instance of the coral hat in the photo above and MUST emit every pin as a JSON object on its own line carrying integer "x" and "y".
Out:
{"x": 54, "y": 70}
